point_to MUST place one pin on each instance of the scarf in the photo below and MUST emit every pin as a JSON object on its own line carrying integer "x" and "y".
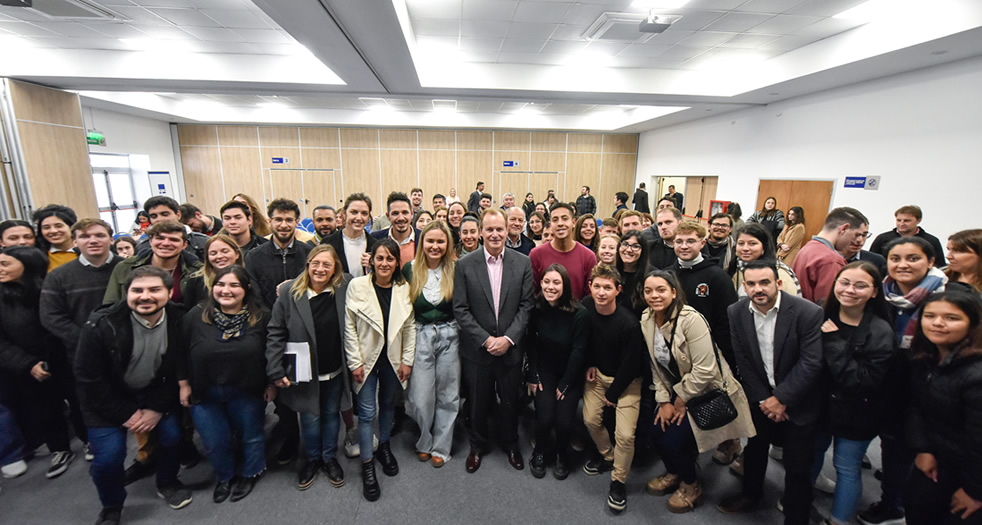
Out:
{"x": 690, "y": 264}
{"x": 230, "y": 325}
{"x": 934, "y": 281}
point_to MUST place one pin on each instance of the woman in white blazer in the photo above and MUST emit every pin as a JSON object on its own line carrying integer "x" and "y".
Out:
{"x": 380, "y": 345}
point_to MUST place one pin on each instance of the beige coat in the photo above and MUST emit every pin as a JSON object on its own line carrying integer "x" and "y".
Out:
{"x": 363, "y": 330}
{"x": 693, "y": 351}
{"x": 793, "y": 236}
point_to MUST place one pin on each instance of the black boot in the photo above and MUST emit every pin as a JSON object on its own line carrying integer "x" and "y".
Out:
{"x": 369, "y": 482}
{"x": 385, "y": 458}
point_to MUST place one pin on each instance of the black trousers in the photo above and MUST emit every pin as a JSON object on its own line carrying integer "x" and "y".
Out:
{"x": 553, "y": 414}
{"x": 676, "y": 445}
{"x": 40, "y": 408}
{"x": 929, "y": 503}
{"x": 287, "y": 429}
{"x": 484, "y": 383}
{"x": 799, "y": 455}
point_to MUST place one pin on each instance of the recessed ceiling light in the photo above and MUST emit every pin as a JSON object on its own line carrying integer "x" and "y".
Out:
{"x": 374, "y": 102}
{"x": 445, "y": 106}
{"x": 863, "y": 12}
{"x": 658, "y": 4}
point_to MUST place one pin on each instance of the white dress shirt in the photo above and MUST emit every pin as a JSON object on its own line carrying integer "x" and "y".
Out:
{"x": 766, "y": 325}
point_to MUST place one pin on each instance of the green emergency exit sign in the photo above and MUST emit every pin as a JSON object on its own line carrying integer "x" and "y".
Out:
{"x": 95, "y": 138}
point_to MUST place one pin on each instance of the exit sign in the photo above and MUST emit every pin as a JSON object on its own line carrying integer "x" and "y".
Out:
{"x": 95, "y": 138}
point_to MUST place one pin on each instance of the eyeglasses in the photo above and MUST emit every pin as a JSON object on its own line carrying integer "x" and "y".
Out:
{"x": 866, "y": 235}
{"x": 631, "y": 246}
{"x": 718, "y": 225}
{"x": 859, "y": 287}
{"x": 688, "y": 242}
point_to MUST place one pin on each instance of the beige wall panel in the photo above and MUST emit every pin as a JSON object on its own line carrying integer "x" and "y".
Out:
{"x": 583, "y": 169}
{"x": 64, "y": 178}
{"x": 585, "y": 142}
{"x": 203, "y": 177}
{"x": 188, "y": 135}
{"x": 548, "y": 142}
{"x": 267, "y": 155}
{"x": 618, "y": 175}
{"x": 541, "y": 183}
{"x": 359, "y": 138}
{"x": 40, "y": 104}
{"x": 430, "y": 139}
{"x": 472, "y": 166}
{"x": 321, "y": 158}
{"x": 319, "y": 188}
{"x": 436, "y": 173}
{"x": 360, "y": 171}
{"x": 621, "y": 143}
{"x": 279, "y": 137}
{"x": 522, "y": 157}
{"x": 238, "y": 136}
{"x": 398, "y": 138}
{"x": 473, "y": 140}
{"x": 546, "y": 161}
{"x": 516, "y": 183}
{"x": 289, "y": 185}
{"x": 319, "y": 137}
{"x": 511, "y": 140}
{"x": 399, "y": 171}
{"x": 242, "y": 172}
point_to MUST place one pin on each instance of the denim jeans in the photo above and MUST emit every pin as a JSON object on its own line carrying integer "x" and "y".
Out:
{"x": 222, "y": 411}
{"x": 676, "y": 445}
{"x": 11, "y": 440}
{"x": 382, "y": 380}
{"x": 848, "y": 461}
{"x": 898, "y": 462}
{"x": 434, "y": 386}
{"x": 109, "y": 448}
{"x": 320, "y": 431}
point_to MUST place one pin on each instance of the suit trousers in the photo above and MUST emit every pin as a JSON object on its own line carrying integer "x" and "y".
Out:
{"x": 799, "y": 456}
{"x": 626, "y": 419}
{"x": 483, "y": 383}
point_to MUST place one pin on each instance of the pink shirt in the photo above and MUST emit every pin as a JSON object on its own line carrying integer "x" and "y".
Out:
{"x": 496, "y": 266}
{"x": 579, "y": 262}
{"x": 816, "y": 266}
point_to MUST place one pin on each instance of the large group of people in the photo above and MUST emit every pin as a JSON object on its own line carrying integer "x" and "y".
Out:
{"x": 643, "y": 333}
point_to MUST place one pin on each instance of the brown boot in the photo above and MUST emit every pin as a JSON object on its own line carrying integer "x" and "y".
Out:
{"x": 727, "y": 452}
{"x": 663, "y": 484}
{"x": 685, "y": 498}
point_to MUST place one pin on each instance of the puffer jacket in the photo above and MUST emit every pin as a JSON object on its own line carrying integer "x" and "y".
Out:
{"x": 946, "y": 415}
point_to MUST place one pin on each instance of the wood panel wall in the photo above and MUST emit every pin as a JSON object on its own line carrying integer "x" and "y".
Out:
{"x": 52, "y": 138}
{"x": 220, "y": 161}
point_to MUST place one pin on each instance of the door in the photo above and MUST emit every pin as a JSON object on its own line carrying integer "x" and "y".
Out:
{"x": 318, "y": 188}
{"x": 516, "y": 182}
{"x": 698, "y": 192}
{"x": 112, "y": 179}
{"x": 814, "y": 197}
{"x": 288, "y": 184}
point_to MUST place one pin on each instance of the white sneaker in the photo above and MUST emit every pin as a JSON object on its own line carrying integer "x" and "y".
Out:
{"x": 776, "y": 453}
{"x": 825, "y": 484}
{"x": 59, "y": 463}
{"x": 87, "y": 448}
{"x": 351, "y": 447}
{"x": 14, "y": 469}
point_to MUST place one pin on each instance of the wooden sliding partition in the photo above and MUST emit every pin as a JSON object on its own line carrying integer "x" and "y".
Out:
{"x": 322, "y": 165}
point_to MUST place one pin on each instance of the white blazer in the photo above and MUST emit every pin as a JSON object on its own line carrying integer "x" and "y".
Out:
{"x": 363, "y": 327}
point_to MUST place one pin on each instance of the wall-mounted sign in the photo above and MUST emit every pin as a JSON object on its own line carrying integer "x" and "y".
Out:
{"x": 160, "y": 183}
{"x": 510, "y": 163}
{"x": 94, "y": 138}
{"x": 281, "y": 160}
{"x": 866, "y": 183}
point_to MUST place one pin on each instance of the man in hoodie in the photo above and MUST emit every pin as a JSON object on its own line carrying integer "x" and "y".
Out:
{"x": 661, "y": 250}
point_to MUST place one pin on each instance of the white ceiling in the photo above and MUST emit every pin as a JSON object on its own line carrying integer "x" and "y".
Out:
{"x": 506, "y": 63}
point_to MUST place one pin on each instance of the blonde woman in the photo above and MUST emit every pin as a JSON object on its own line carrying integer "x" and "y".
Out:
{"x": 220, "y": 251}
{"x": 434, "y": 392}
{"x": 380, "y": 345}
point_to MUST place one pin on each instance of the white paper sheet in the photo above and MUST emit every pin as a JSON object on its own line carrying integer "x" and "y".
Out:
{"x": 302, "y": 353}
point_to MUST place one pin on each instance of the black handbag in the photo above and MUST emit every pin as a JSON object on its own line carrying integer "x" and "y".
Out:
{"x": 713, "y": 409}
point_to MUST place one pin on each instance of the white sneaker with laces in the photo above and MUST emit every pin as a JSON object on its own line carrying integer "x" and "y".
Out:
{"x": 59, "y": 463}
{"x": 17, "y": 468}
{"x": 825, "y": 484}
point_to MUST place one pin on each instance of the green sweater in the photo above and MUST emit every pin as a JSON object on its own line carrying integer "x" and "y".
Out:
{"x": 425, "y": 311}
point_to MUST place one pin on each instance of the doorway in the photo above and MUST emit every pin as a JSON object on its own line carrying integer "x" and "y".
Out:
{"x": 115, "y": 192}
{"x": 814, "y": 197}
{"x": 697, "y": 192}
{"x": 308, "y": 187}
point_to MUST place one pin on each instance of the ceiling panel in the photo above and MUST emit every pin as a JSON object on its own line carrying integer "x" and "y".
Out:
{"x": 237, "y": 18}
{"x": 483, "y": 28}
{"x": 437, "y": 27}
{"x": 738, "y": 22}
{"x": 540, "y": 11}
{"x": 186, "y": 17}
{"x": 446, "y": 9}
{"x": 768, "y": 6}
{"x": 489, "y": 9}
{"x": 784, "y": 24}
{"x": 514, "y": 45}
{"x": 530, "y": 30}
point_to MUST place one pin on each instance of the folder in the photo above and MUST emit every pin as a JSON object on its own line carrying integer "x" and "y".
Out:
{"x": 296, "y": 360}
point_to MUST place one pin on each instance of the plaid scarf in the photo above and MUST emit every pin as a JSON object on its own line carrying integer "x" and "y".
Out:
{"x": 934, "y": 281}
{"x": 230, "y": 326}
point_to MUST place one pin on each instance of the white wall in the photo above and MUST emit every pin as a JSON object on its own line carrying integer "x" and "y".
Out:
{"x": 133, "y": 135}
{"x": 920, "y": 131}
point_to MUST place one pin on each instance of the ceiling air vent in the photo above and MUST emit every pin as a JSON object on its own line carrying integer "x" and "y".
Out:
{"x": 618, "y": 27}
{"x": 84, "y": 10}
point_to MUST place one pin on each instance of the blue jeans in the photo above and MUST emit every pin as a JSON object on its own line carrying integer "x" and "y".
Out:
{"x": 11, "y": 440}
{"x": 320, "y": 431}
{"x": 381, "y": 380}
{"x": 848, "y": 461}
{"x": 678, "y": 450}
{"x": 109, "y": 448}
{"x": 222, "y": 410}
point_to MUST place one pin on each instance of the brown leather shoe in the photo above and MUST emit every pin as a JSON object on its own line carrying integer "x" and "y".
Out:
{"x": 422, "y": 456}
{"x": 737, "y": 504}
{"x": 437, "y": 462}
{"x": 473, "y": 461}
{"x": 515, "y": 459}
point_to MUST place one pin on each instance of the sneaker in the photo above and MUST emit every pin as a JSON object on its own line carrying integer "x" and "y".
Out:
{"x": 308, "y": 474}
{"x": 138, "y": 470}
{"x": 867, "y": 464}
{"x": 87, "y": 448}
{"x": 617, "y": 497}
{"x": 663, "y": 484}
{"x": 880, "y": 513}
{"x": 176, "y": 495}
{"x": 727, "y": 452}
{"x": 597, "y": 465}
{"x": 17, "y": 468}
{"x": 59, "y": 463}
{"x": 736, "y": 468}
{"x": 334, "y": 472}
{"x": 109, "y": 516}
{"x": 537, "y": 464}
{"x": 351, "y": 447}
{"x": 825, "y": 484}
{"x": 685, "y": 498}
{"x": 776, "y": 453}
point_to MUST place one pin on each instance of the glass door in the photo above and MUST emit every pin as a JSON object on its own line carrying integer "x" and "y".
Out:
{"x": 115, "y": 195}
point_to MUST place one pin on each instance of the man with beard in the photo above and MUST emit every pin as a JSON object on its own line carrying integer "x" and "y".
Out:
{"x": 416, "y": 196}
{"x": 162, "y": 208}
{"x": 401, "y": 231}
{"x": 325, "y": 222}
{"x": 662, "y": 249}
{"x": 283, "y": 258}
{"x": 719, "y": 244}
{"x": 192, "y": 217}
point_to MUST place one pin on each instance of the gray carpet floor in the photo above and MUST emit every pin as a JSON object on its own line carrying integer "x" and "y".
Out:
{"x": 495, "y": 494}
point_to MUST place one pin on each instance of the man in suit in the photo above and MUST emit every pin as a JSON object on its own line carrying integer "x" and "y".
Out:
{"x": 474, "y": 201}
{"x": 492, "y": 302}
{"x": 855, "y": 251}
{"x": 351, "y": 242}
{"x": 777, "y": 341}
{"x": 401, "y": 231}
{"x": 675, "y": 196}
{"x": 641, "y": 200}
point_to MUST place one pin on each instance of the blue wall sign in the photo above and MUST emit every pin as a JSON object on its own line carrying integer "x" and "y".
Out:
{"x": 855, "y": 182}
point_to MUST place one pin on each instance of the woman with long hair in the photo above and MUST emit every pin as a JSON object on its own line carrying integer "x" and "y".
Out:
{"x": 859, "y": 353}
{"x": 685, "y": 364}
{"x": 54, "y": 234}
{"x": 633, "y": 264}
{"x": 30, "y": 357}
{"x": 221, "y": 251}
{"x": 124, "y": 246}
{"x": 421, "y": 219}
{"x": 558, "y": 329}
{"x": 434, "y": 391}
{"x": 309, "y": 313}
{"x": 222, "y": 378}
{"x": 964, "y": 268}
{"x": 586, "y": 231}
{"x": 752, "y": 243}
{"x": 536, "y": 224}
{"x": 790, "y": 240}
{"x": 769, "y": 217}
{"x": 452, "y": 198}
{"x": 455, "y": 214}
{"x": 607, "y": 249}
{"x": 528, "y": 206}
{"x": 945, "y": 426}
{"x": 260, "y": 224}
{"x": 380, "y": 343}
{"x": 543, "y": 208}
